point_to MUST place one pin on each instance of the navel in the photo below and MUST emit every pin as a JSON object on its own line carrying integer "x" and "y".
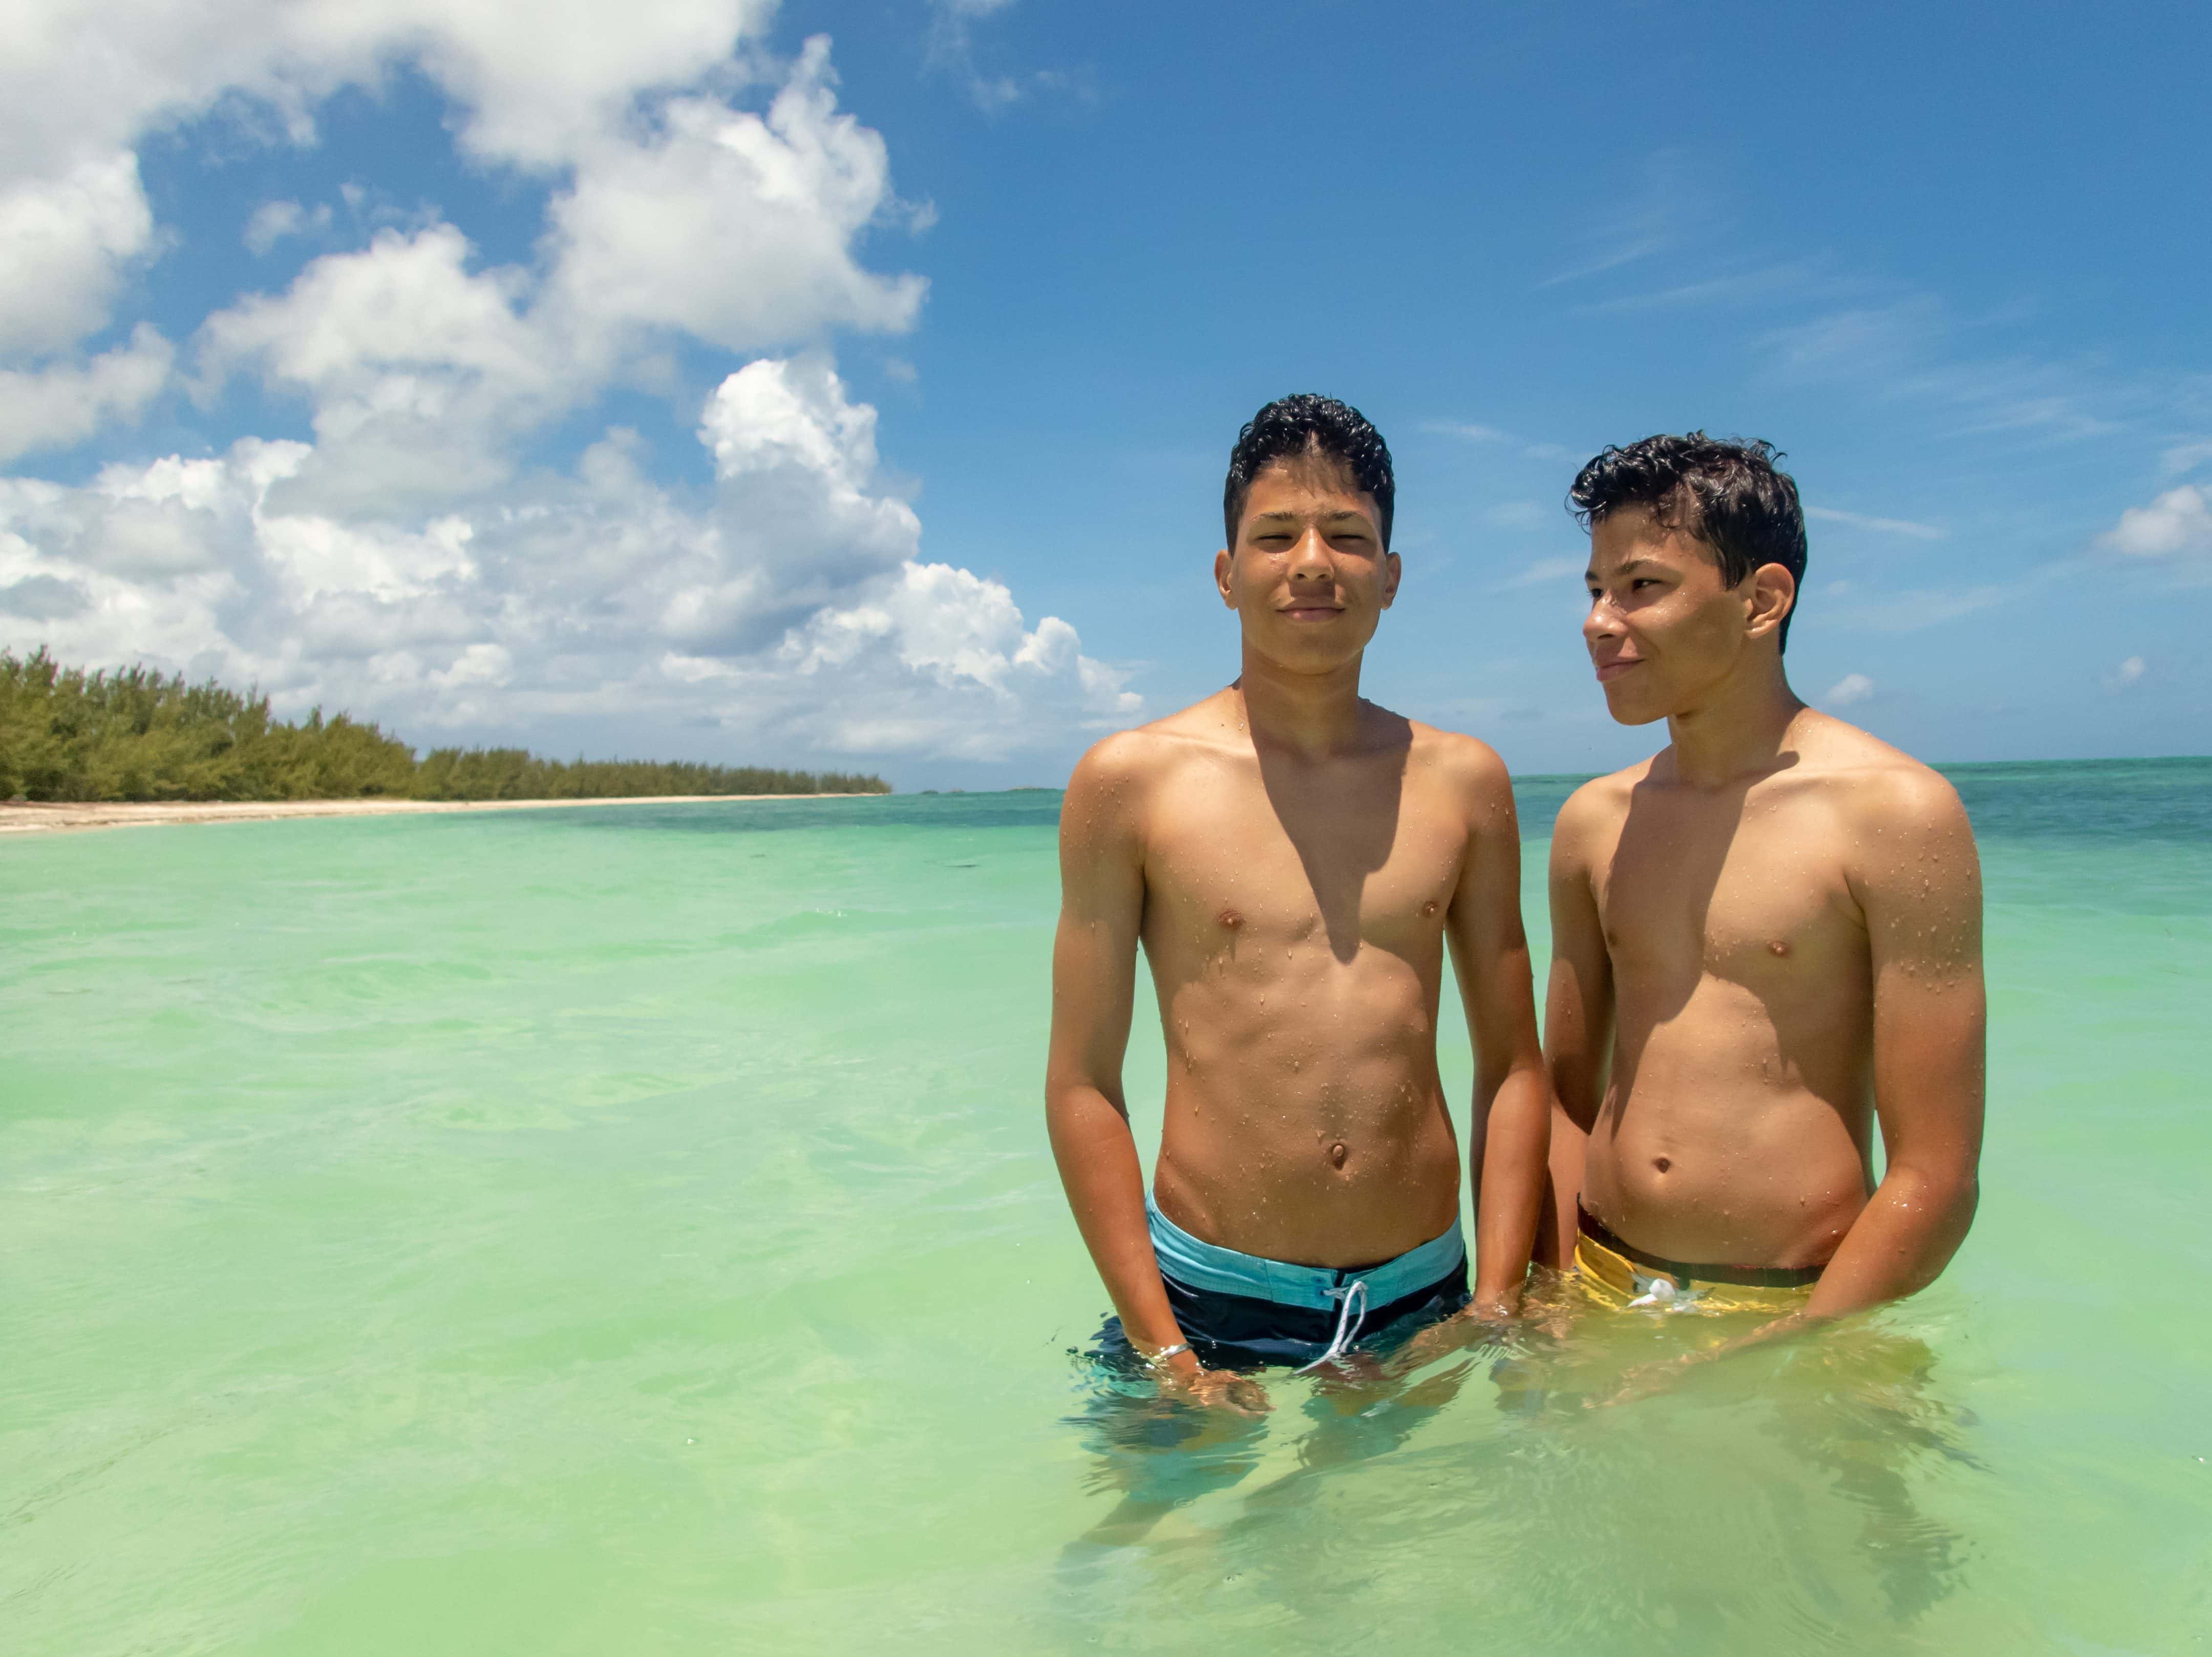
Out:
{"x": 1663, "y": 1164}
{"x": 1337, "y": 1153}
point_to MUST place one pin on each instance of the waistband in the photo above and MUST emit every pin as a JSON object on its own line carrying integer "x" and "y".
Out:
{"x": 1750, "y": 1277}
{"x": 1200, "y": 1265}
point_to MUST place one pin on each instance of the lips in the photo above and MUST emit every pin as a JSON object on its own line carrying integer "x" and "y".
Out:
{"x": 1312, "y": 612}
{"x": 1608, "y": 671}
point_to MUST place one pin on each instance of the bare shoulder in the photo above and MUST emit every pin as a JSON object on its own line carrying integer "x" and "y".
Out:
{"x": 1118, "y": 772}
{"x": 1463, "y": 762}
{"x": 1875, "y": 788}
{"x": 1902, "y": 828}
{"x": 1595, "y": 812}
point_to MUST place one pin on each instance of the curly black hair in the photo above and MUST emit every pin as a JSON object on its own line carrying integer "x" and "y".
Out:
{"x": 1305, "y": 423}
{"x": 1725, "y": 494}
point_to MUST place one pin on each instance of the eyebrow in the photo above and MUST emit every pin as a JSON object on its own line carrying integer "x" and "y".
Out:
{"x": 1341, "y": 515}
{"x": 1590, "y": 574}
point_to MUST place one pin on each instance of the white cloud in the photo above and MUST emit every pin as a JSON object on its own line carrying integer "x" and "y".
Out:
{"x": 272, "y": 221}
{"x": 2186, "y": 457}
{"x": 2129, "y": 674}
{"x": 1851, "y": 687}
{"x": 88, "y": 76}
{"x": 65, "y": 242}
{"x": 735, "y": 227}
{"x": 423, "y": 561}
{"x": 54, "y": 407}
{"x": 952, "y": 49}
{"x": 1880, "y": 526}
{"x": 795, "y": 600}
{"x": 2177, "y": 525}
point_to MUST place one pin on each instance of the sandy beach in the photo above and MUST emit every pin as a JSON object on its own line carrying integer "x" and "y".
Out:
{"x": 61, "y": 818}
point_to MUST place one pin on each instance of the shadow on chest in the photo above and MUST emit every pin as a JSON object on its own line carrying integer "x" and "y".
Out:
{"x": 1298, "y": 855}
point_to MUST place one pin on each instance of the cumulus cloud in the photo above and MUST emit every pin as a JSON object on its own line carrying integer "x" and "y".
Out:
{"x": 90, "y": 75}
{"x": 794, "y": 596}
{"x": 429, "y": 558}
{"x": 2129, "y": 674}
{"x": 1850, "y": 688}
{"x": 65, "y": 242}
{"x": 65, "y": 403}
{"x": 2177, "y": 526}
{"x": 735, "y": 227}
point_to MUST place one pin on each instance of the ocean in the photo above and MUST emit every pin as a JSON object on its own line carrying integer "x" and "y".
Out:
{"x": 630, "y": 1230}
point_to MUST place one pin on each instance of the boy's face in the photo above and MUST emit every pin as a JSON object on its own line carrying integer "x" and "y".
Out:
{"x": 1664, "y": 628}
{"x": 1307, "y": 578}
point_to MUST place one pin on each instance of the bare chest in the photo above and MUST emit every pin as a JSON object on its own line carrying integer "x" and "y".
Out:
{"x": 1759, "y": 897}
{"x": 1234, "y": 870}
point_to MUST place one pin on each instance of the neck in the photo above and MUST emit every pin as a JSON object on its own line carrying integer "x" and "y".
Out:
{"x": 1312, "y": 714}
{"x": 1740, "y": 729}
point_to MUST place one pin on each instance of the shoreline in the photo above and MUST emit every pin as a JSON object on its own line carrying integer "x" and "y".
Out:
{"x": 70, "y": 818}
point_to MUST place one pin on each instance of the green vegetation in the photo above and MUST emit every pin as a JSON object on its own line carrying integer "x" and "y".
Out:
{"x": 131, "y": 734}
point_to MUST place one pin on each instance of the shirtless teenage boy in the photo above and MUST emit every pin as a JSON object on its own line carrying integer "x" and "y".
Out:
{"x": 1295, "y": 860}
{"x": 1765, "y": 938}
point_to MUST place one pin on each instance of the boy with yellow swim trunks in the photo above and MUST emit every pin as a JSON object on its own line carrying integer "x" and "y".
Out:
{"x": 1767, "y": 938}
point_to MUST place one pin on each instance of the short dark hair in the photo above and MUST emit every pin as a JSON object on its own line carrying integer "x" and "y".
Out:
{"x": 1725, "y": 494}
{"x": 1303, "y": 424}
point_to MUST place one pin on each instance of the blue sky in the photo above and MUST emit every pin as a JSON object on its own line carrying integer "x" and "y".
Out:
{"x": 851, "y": 384}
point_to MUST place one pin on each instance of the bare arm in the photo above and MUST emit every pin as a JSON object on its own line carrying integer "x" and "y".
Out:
{"x": 1577, "y": 1024}
{"x": 1923, "y": 902}
{"x": 1512, "y": 1099}
{"x": 1094, "y": 959}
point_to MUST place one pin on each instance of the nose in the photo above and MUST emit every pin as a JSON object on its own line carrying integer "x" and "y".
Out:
{"x": 1600, "y": 621}
{"x": 1310, "y": 559}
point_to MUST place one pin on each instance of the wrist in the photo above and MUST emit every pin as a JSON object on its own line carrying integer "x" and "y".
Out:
{"x": 1495, "y": 1300}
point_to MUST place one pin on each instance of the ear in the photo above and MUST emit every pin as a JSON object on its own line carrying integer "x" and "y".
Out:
{"x": 1221, "y": 562}
{"x": 1773, "y": 596}
{"x": 1392, "y": 568}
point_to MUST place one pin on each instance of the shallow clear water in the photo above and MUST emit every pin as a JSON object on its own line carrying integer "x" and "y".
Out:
{"x": 630, "y": 1230}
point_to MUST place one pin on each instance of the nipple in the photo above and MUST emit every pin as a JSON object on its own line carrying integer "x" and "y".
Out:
{"x": 1778, "y": 947}
{"x": 1229, "y": 918}
{"x": 1429, "y": 908}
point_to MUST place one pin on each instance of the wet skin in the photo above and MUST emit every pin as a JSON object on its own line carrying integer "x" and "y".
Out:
{"x": 1765, "y": 936}
{"x": 1294, "y": 862}
{"x": 1296, "y": 950}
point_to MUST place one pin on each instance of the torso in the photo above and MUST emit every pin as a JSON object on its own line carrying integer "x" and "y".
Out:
{"x": 1736, "y": 1122}
{"x": 1294, "y": 921}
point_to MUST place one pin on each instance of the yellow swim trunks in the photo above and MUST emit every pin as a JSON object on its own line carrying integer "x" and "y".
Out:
{"x": 1619, "y": 1275}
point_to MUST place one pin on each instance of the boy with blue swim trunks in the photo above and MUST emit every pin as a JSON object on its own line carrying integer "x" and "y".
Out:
{"x": 1296, "y": 863}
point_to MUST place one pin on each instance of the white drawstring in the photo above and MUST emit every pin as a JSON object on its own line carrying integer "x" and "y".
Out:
{"x": 1347, "y": 1327}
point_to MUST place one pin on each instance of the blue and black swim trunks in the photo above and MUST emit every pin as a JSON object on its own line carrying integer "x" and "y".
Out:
{"x": 1240, "y": 1311}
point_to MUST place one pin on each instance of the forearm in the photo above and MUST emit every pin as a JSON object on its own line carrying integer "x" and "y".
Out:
{"x": 1105, "y": 1186}
{"x": 1510, "y": 1196}
{"x": 1570, "y": 1146}
{"x": 1900, "y": 1243}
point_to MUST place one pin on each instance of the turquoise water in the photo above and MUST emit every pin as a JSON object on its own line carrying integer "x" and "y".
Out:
{"x": 629, "y": 1230}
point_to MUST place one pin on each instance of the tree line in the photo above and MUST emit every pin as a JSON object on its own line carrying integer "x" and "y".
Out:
{"x": 132, "y": 734}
